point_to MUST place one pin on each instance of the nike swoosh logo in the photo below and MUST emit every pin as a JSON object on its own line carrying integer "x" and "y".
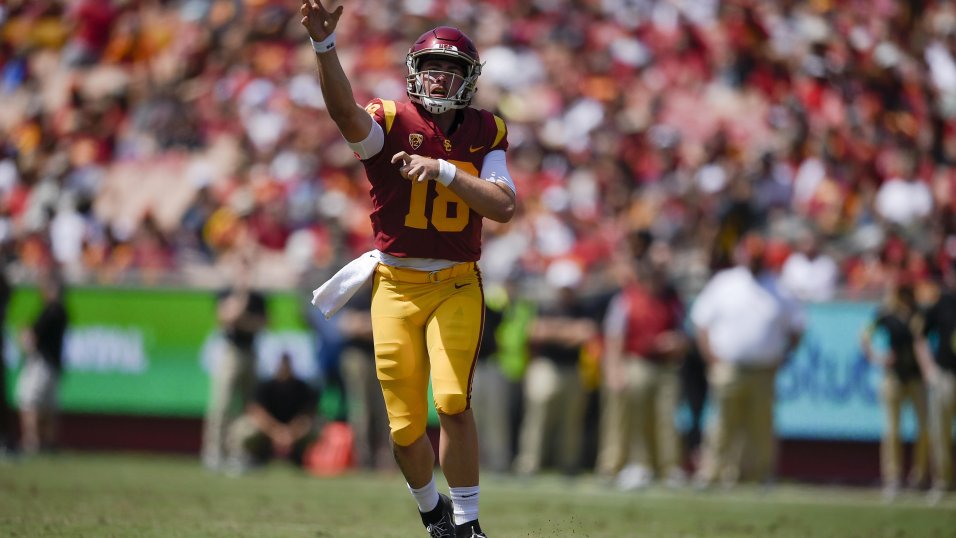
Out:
{"x": 470, "y": 495}
{"x": 474, "y": 149}
{"x": 460, "y": 286}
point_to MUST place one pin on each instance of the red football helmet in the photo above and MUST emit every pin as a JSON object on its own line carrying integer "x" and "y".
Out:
{"x": 448, "y": 43}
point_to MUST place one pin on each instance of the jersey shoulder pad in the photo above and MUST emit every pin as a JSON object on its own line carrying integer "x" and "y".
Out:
{"x": 382, "y": 111}
{"x": 498, "y": 131}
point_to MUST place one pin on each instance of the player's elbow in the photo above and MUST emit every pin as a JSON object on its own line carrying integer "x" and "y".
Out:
{"x": 504, "y": 212}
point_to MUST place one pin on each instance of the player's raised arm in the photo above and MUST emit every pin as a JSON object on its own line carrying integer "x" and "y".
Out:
{"x": 351, "y": 119}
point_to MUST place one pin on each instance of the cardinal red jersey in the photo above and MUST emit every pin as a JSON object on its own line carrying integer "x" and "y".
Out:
{"x": 425, "y": 219}
{"x": 649, "y": 315}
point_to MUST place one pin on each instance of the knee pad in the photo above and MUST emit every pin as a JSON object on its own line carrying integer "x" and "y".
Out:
{"x": 451, "y": 404}
{"x": 408, "y": 429}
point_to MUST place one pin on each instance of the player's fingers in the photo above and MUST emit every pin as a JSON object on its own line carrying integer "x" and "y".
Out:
{"x": 400, "y": 156}
{"x": 315, "y": 7}
{"x": 337, "y": 13}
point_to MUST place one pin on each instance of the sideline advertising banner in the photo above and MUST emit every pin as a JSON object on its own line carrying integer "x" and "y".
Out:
{"x": 147, "y": 352}
{"x": 139, "y": 351}
{"x": 828, "y": 390}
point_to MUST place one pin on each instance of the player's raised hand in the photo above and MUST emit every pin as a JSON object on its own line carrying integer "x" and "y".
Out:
{"x": 319, "y": 21}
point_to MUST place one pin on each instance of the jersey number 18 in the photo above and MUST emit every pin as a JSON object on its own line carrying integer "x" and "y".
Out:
{"x": 444, "y": 197}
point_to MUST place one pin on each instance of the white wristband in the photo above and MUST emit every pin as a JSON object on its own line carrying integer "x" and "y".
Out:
{"x": 325, "y": 45}
{"x": 446, "y": 172}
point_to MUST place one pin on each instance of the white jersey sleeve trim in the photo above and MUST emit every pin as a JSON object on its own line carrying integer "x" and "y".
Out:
{"x": 495, "y": 169}
{"x": 372, "y": 144}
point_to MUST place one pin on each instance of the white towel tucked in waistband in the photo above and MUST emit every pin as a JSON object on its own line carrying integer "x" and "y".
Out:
{"x": 337, "y": 291}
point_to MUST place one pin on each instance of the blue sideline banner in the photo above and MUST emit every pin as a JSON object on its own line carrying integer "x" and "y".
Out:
{"x": 828, "y": 390}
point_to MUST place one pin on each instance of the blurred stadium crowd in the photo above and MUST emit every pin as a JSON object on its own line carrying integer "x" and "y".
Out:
{"x": 146, "y": 141}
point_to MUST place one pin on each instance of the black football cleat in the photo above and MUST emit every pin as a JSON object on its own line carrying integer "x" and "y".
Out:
{"x": 440, "y": 522}
{"x": 470, "y": 530}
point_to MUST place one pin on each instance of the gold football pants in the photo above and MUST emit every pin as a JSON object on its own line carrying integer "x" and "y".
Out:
{"x": 425, "y": 323}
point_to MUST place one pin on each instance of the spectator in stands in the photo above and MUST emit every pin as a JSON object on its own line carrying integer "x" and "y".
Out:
{"x": 902, "y": 383}
{"x": 219, "y": 98}
{"x": 279, "y": 422}
{"x": 91, "y": 23}
{"x": 39, "y": 383}
{"x": 904, "y": 199}
{"x": 746, "y": 326}
{"x": 553, "y": 390}
{"x": 809, "y": 274}
{"x": 191, "y": 239}
{"x": 241, "y": 311}
{"x": 644, "y": 345}
{"x": 938, "y": 365}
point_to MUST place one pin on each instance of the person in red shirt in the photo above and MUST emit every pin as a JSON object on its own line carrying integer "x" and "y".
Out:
{"x": 644, "y": 346}
{"x": 436, "y": 168}
{"x": 92, "y": 25}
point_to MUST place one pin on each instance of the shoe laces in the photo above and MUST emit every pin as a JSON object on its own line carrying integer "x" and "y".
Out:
{"x": 440, "y": 529}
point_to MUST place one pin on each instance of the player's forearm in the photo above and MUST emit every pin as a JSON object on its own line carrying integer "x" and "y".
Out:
{"x": 353, "y": 122}
{"x": 488, "y": 199}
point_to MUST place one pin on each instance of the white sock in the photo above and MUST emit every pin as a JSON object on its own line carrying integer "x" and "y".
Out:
{"x": 465, "y": 502}
{"x": 426, "y": 496}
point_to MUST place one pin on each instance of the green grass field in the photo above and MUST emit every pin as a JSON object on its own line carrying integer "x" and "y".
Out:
{"x": 75, "y": 495}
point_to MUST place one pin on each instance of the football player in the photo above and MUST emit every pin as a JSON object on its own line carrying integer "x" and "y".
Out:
{"x": 437, "y": 168}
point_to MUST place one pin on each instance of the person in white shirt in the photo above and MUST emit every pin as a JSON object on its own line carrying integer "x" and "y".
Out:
{"x": 904, "y": 199}
{"x": 809, "y": 274}
{"x": 746, "y": 325}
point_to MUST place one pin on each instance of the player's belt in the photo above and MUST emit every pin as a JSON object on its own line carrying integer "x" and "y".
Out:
{"x": 414, "y": 276}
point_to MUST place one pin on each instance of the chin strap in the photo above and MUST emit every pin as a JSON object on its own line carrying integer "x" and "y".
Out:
{"x": 436, "y": 106}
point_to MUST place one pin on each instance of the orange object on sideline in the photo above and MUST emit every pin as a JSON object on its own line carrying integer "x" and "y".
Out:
{"x": 332, "y": 453}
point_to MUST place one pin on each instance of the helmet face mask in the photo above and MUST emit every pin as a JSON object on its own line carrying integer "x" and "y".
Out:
{"x": 443, "y": 44}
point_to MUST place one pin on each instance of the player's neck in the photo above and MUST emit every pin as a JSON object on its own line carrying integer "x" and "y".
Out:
{"x": 447, "y": 121}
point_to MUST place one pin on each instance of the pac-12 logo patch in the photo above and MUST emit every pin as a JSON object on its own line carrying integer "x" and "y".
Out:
{"x": 415, "y": 140}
